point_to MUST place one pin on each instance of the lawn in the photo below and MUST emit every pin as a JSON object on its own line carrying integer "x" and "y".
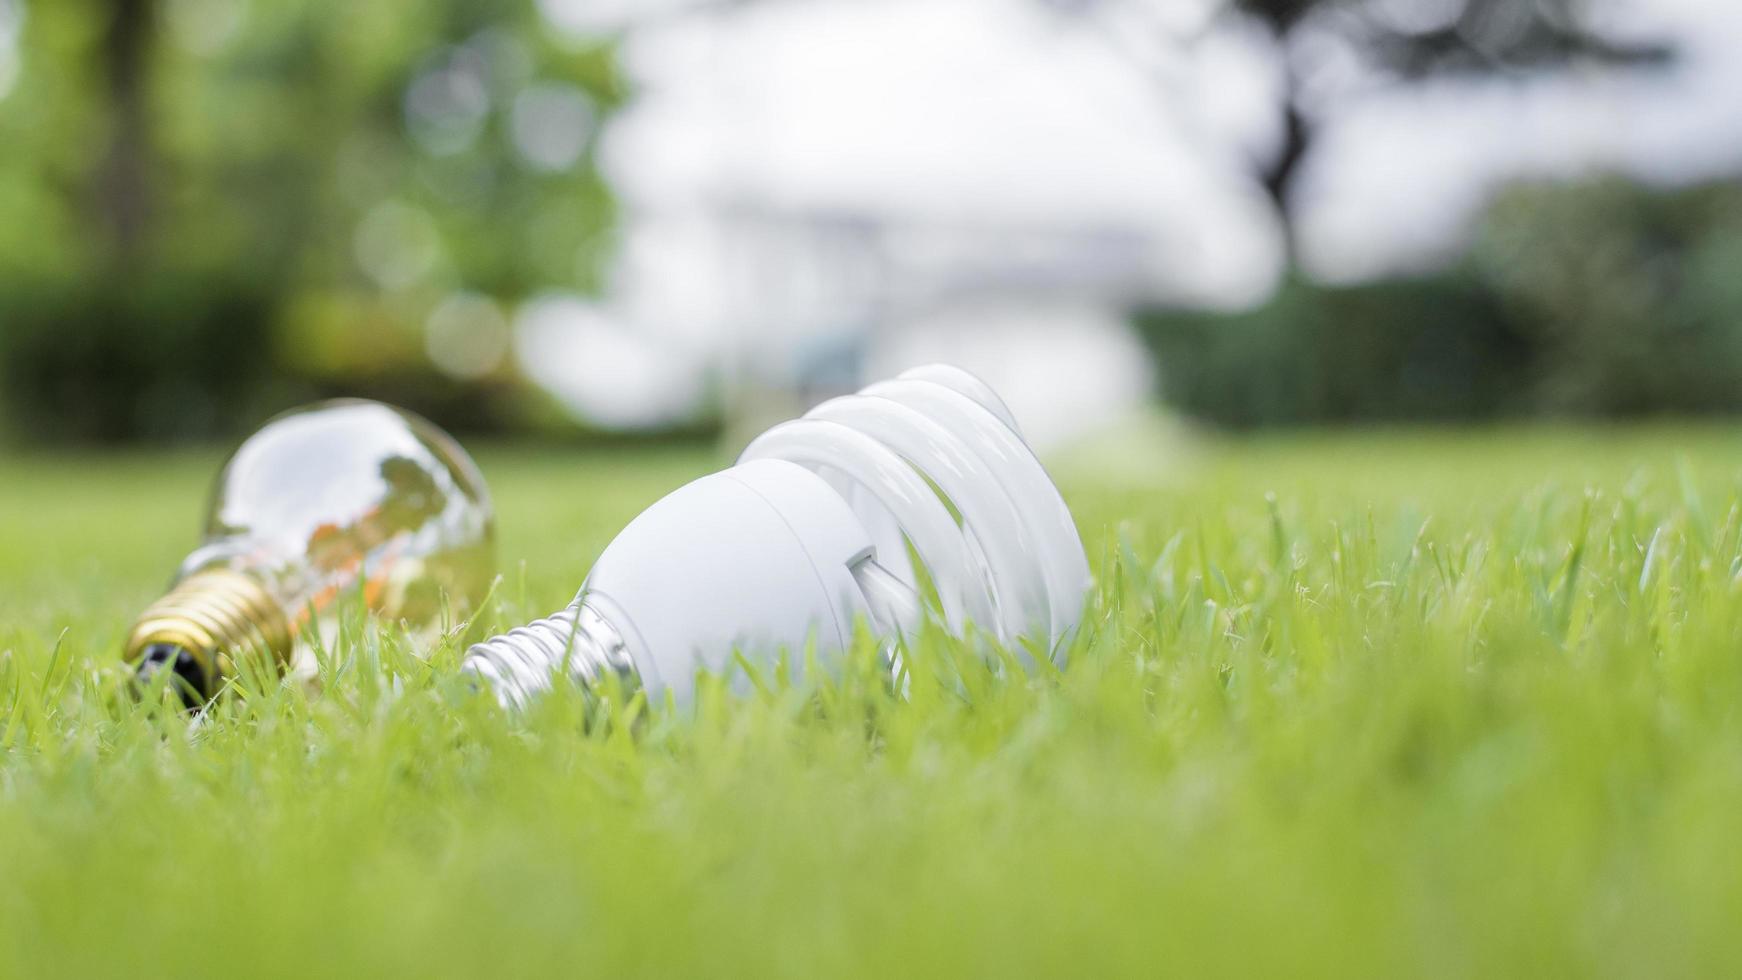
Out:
{"x": 1453, "y": 704}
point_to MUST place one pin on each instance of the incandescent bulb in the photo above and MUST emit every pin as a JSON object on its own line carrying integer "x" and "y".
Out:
{"x": 339, "y": 497}
{"x": 809, "y": 534}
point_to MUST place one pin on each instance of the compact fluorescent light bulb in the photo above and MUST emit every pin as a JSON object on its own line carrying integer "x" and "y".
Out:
{"x": 808, "y": 534}
{"x": 338, "y": 497}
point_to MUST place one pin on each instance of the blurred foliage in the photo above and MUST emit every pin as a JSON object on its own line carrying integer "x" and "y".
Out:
{"x": 1602, "y": 299}
{"x": 1419, "y": 349}
{"x": 1631, "y": 296}
{"x": 209, "y": 207}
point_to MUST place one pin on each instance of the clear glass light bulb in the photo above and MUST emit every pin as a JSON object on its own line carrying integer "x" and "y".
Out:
{"x": 341, "y": 497}
{"x": 808, "y": 535}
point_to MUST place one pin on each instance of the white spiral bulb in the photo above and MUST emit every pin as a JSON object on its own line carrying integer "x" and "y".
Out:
{"x": 809, "y": 532}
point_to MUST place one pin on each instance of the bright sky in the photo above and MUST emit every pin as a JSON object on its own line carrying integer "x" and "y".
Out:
{"x": 966, "y": 107}
{"x": 940, "y": 110}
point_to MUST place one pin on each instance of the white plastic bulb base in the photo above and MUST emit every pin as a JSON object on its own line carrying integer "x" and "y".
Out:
{"x": 808, "y": 536}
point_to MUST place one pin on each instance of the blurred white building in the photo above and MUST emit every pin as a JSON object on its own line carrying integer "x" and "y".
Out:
{"x": 817, "y": 194}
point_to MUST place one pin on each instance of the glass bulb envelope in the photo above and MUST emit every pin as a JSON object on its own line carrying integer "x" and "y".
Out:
{"x": 337, "y": 498}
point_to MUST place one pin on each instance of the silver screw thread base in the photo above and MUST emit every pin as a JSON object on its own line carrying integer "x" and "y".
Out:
{"x": 576, "y": 643}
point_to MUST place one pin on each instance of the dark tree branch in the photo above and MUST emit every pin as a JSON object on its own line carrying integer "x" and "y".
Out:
{"x": 1277, "y": 176}
{"x": 1461, "y": 49}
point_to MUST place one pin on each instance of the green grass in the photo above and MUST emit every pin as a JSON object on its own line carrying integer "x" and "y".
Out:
{"x": 1441, "y": 704}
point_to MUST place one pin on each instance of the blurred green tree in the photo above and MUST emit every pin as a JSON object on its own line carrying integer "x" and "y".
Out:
{"x": 1630, "y": 295}
{"x": 208, "y": 207}
{"x": 1408, "y": 41}
{"x": 1605, "y": 299}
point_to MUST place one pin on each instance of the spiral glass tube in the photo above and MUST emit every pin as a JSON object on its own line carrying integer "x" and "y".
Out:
{"x": 904, "y": 454}
{"x": 342, "y": 497}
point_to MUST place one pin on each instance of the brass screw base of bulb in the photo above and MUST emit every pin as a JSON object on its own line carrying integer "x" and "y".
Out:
{"x": 216, "y": 616}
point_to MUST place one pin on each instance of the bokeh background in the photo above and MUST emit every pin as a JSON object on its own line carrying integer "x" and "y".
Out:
{"x": 682, "y": 218}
